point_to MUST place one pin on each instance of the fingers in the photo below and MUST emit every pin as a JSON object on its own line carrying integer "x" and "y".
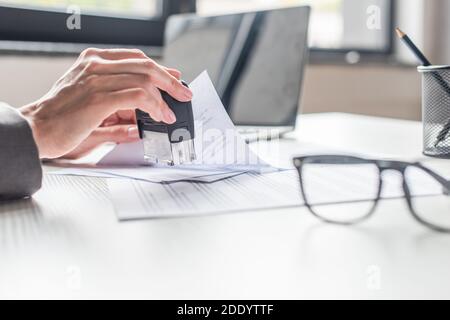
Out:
{"x": 114, "y": 54}
{"x": 103, "y": 104}
{"x": 170, "y": 84}
{"x": 119, "y": 82}
{"x": 166, "y": 114}
{"x": 120, "y": 117}
{"x": 120, "y": 54}
{"x": 174, "y": 72}
{"x": 116, "y": 82}
{"x": 120, "y": 79}
{"x": 158, "y": 75}
{"x": 116, "y": 134}
{"x": 126, "y": 116}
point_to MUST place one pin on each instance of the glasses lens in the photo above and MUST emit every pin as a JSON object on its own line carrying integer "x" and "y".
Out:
{"x": 341, "y": 193}
{"x": 428, "y": 197}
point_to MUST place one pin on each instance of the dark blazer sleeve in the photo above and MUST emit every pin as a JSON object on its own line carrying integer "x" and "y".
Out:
{"x": 20, "y": 167}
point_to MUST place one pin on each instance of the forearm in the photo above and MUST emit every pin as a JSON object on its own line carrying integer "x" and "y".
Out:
{"x": 20, "y": 168}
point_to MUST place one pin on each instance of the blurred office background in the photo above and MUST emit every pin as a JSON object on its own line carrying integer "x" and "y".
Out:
{"x": 356, "y": 65}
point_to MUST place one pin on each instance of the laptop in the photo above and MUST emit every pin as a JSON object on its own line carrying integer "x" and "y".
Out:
{"x": 256, "y": 61}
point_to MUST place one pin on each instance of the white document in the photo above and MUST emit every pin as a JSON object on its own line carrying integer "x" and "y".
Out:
{"x": 250, "y": 191}
{"x": 139, "y": 200}
{"x": 153, "y": 174}
{"x": 217, "y": 142}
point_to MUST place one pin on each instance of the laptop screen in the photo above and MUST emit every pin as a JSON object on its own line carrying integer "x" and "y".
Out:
{"x": 256, "y": 60}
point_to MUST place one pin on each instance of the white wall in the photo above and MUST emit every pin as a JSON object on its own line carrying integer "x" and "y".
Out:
{"x": 370, "y": 89}
{"x": 24, "y": 79}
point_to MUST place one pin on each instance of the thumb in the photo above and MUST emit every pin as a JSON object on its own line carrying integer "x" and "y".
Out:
{"x": 117, "y": 134}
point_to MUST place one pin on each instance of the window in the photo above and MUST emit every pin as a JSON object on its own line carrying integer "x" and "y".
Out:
{"x": 137, "y": 23}
{"x": 126, "y": 8}
{"x": 336, "y": 25}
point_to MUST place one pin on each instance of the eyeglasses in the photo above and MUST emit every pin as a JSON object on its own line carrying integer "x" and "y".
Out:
{"x": 346, "y": 190}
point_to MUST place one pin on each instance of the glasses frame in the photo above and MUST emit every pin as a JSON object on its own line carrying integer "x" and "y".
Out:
{"x": 382, "y": 166}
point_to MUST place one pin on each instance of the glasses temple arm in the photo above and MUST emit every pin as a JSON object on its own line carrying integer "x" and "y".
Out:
{"x": 444, "y": 182}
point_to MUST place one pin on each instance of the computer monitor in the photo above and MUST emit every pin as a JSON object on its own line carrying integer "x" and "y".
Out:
{"x": 256, "y": 60}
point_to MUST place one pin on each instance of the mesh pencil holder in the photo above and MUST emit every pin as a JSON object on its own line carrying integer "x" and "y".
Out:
{"x": 436, "y": 110}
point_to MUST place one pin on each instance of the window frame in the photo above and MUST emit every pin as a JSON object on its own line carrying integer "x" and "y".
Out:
{"x": 18, "y": 34}
{"x": 19, "y": 24}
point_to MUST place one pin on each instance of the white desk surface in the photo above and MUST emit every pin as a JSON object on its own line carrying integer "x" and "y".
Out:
{"x": 69, "y": 244}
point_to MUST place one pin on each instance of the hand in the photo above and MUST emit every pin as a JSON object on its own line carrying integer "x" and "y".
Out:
{"x": 120, "y": 127}
{"x": 94, "y": 102}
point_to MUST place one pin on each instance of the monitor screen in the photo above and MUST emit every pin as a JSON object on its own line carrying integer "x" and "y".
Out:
{"x": 256, "y": 60}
